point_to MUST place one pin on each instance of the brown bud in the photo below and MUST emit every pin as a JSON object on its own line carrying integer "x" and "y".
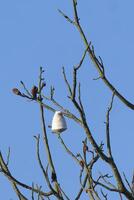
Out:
{"x": 85, "y": 148}
{"x": 34, "y": 91}
{"x": 16, "y": 91}
{"x": 81, "y": 163}
{"x": 53, "y": 177}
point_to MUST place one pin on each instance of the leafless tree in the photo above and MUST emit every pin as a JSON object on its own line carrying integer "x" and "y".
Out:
{"x": 95, "y": 188}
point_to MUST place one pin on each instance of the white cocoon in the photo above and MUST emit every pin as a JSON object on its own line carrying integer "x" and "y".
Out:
{"x": 58, "y": 122}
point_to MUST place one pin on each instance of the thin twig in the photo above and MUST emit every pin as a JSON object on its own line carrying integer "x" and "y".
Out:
{"x": 50, "y": 161}
{"x": 66, "y": 81}
{"x": 27, "y": 91}
{"x": 67, "y": 149}
{"x": 107, "y": 127}
{"x": 128, "y": 183}
{"x": 66, "y": 17}
{"x": 80, "y": 101}
{"x": 82, "y": 188}
{"x": 104, "y": 195}
{"x": 8, "y": 156}
{"x": 32, "y": 191}
{"x": 65, "y": 195}
{"x": 82, "y": 59}
{"x": 103, "y": 177}
{"x": 41, "y": 165}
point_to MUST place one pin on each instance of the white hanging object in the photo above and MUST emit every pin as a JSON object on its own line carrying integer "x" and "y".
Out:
{"x": 58, "y": 122}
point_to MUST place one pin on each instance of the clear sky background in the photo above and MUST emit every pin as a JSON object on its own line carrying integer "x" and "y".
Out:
{"x": 34, "y": 34}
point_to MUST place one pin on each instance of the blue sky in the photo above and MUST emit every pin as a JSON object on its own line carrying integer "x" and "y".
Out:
{"x": 34, "y": 34}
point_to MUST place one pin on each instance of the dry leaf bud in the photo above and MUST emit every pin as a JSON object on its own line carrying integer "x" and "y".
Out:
{"x": 16, "y": 91}
{"x": 81, "y": 163}
{"x": 85, "y": 148}
{"x": 34, "y": 91}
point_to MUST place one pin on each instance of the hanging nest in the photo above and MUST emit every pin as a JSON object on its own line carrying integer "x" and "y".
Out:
{"x": 58, "y": 122}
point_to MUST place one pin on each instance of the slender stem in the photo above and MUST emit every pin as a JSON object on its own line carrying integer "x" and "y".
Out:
{"x": 82, "y": 188}
{"x": 41, "y": 166}
{"x": 45, "y": 138}
{"x": 107, "y": 127}
{"x": 19, "y": 194}
{"x": 68, "y": 150}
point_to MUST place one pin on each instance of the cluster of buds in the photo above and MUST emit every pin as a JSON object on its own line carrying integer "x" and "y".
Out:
{"x": 34, "y": 91}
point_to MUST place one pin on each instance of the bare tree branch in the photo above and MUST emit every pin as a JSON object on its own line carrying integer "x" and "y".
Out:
{"x": 41, "y": 165}
{"x": 99, "y": 66}
{"x": 66, "y": 81}
{"x": 107, "y": 127}
{"x": 67, "y": 149}
{"x": 82, "y": 188}
{"x": 46, "y": 139}
{"x": 66, "y": 17}
{"x": 14, "y": 181}
{"x": 104, "y": 195}
{"x": 128, "y": 183}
